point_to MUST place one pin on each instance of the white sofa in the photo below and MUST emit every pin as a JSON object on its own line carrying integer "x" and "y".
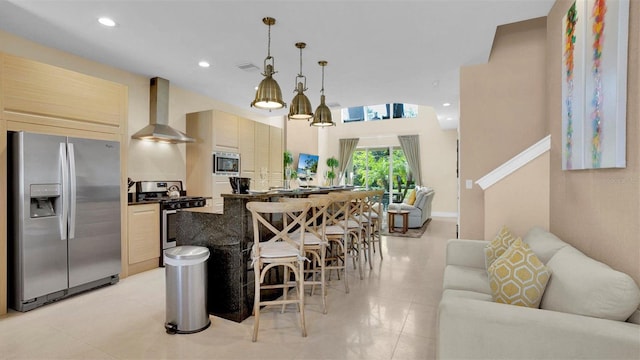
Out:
{"x": 588, "y": 310}
{"x": 419, "y": 212}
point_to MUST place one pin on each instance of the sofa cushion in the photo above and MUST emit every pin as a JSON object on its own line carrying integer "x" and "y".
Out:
{"x": 465, "y": 294}
{"x": 420, "y": 197}
{"x": 635, "y": 317}
{"x": 402, "y": 206}
{"x": 583, "y": 286}
{"x": 498, "y": 246}
{"x": 466, "y": 278}
{"x": 518, "y": 277}
{"x": 543, "y": 243}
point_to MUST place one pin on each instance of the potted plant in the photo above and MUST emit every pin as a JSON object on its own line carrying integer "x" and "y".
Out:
{"x": 288, "y": 170}
{"x": 332, "y": 162}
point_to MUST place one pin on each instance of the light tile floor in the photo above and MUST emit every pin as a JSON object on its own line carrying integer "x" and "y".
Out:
{"x": 391, "y": 314}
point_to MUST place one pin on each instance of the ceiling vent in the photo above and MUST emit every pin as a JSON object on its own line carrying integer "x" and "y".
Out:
{"x": 248, "y": 67}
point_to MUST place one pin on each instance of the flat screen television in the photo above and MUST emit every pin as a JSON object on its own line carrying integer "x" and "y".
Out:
{"x": 307, "y": 162}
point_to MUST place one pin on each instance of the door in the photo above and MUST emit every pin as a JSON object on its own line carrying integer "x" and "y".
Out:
{"x": 37, "y": 221}
{"x": 94, "y": 216}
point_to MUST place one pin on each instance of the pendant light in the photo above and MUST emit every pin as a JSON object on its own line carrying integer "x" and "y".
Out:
{"x": 322, "y": 116}
{"x": 300, "y": 108}
{"x": 268, "y": 95}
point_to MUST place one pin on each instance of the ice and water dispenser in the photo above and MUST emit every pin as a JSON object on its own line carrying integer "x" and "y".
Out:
{"x": 44, "y": 199}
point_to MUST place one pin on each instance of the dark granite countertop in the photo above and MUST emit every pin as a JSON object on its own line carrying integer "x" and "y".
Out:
{"x": 143, "y": 202}
{"x": 281, "y": 192}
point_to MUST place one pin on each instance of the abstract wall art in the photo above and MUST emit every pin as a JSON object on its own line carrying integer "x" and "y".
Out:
{"x": 594, "y": 84}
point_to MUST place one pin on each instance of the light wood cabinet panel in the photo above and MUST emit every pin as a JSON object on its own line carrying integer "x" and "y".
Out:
{"x": 275, "y": 157}
{"x": 246, "y": 145}
{"x": 200, "y": 153}
{"x": 38, "y": 93}
{"x": 144, "y": 233}
{"x": 261, "y": 147}
{"x": 225, "y": 130}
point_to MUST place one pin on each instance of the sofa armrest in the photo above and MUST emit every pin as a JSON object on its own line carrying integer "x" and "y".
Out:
{"x": 466, "y": 252}
{"x": 469, "y": 328}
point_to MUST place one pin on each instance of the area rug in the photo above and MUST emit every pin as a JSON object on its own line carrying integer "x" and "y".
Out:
{"x": 412, "y": 233}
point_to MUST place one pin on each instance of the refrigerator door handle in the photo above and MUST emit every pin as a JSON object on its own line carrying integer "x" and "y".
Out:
{"x": 72, "y": 192}
{"x": 65, "y": 187}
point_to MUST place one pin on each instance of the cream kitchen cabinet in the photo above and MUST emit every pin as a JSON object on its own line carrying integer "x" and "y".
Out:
{"x": 247, "y": 147}
{"x": 143, "y": 231}
{"x": 259, "y": 145}
{"x": 275, "y": 156}
{"x": 40, "y": 94}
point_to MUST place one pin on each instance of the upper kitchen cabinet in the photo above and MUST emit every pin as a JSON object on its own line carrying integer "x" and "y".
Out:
{"x": 41, "y": 94}
{"x": 259, "y": 145}
{"x": 262, "y": 150}
{"x": 247, "y": 146}
{"x": 275, "y": 157}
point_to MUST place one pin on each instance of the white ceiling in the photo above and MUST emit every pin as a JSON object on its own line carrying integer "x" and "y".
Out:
{"x": 378, "y": 51}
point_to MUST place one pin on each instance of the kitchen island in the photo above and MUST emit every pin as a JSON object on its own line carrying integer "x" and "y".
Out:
{"x": 229, "y": 238}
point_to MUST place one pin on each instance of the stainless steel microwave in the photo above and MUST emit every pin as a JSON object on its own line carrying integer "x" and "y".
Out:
{"x": 226, "y": 163}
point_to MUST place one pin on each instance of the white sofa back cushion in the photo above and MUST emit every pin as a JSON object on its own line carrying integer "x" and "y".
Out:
{"x": 583, "y": 286}
{"x": 543, "y": 243}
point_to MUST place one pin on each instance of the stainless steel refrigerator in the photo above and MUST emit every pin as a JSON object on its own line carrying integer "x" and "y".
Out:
{"x": 64, "y": 217}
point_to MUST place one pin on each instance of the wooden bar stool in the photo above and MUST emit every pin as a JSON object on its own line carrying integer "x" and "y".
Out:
{"x": 279, "y": 250}
{"x": 315, "y": 244}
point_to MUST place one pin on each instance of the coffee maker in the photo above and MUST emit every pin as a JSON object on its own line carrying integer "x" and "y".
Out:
{"x": 240, "y": 185}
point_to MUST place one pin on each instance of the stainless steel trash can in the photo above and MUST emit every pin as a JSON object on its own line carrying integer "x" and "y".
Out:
{"x": 186, "y": 289}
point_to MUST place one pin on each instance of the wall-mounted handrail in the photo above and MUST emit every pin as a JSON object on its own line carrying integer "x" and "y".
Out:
{"x": 515, "y": 163}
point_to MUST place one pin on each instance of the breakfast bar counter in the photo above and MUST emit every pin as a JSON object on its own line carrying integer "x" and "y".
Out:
{"x": 229, "y": 238}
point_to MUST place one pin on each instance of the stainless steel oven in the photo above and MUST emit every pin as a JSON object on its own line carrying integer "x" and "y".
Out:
{"x": 170, "y": 206}
{"x": 168, "y": 230}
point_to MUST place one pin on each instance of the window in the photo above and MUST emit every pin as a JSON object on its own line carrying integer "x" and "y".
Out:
{"x": 379, "y": 112}
{"x": 383, "y": 168}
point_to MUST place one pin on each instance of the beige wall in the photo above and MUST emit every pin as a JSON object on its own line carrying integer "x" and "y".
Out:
{"x": 300, "y": 138}
{"x": 502, "y": 111}
{"x": 437, "y": 150}
{"x": 520, "y": 200}
{"x": 597, "y": 211}
{"x": 147, "y": 160}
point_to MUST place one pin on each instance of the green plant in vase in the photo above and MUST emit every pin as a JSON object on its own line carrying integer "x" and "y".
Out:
{"x": 287, "y": 161}
{"x": 333, "y": 164}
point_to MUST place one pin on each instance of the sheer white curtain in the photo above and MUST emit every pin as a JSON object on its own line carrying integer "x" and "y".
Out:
{"x": 411, "y": 147}
{"x": 347, "y": 147}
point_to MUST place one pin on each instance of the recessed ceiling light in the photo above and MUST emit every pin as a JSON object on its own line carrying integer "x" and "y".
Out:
{"x": 449, "y": 118}
{"x": 446, "y": 104}
{"x": 107, "y": 21}
{"x": 255, "y": 88}
{"x": 204, "y": 64}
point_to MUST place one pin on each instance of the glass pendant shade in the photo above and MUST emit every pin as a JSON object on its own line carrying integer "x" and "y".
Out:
{"x": 300, "y": 108}
{"x": 322, "y": 116}
{"x": 268, "y": 95}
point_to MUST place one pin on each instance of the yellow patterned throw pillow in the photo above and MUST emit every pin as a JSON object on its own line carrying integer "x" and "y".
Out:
{"x": 412, "y": 197}
{"x": 498, "y": 246}
{"x": 518, "y": 277}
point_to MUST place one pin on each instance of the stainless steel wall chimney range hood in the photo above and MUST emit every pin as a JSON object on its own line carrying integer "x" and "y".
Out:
{"x": 158, "y": 128}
